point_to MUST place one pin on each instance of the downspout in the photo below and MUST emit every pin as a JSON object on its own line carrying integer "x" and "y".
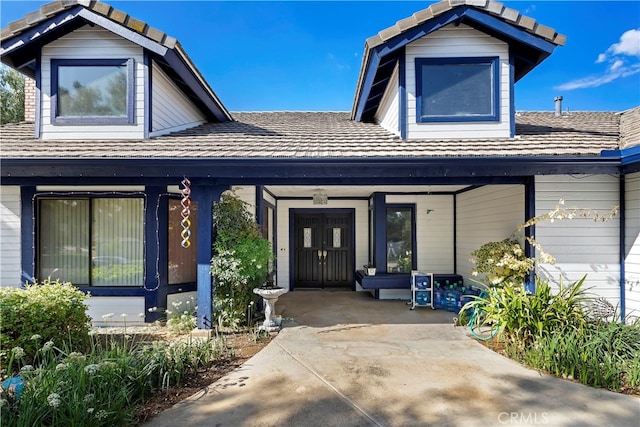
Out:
{"x": 623, "y": 249}
{"x": 529, "y": 213}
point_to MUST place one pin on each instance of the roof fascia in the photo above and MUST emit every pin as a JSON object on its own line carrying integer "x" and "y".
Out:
{"x": 272, "y": 171}
{"x": 510, "y": 34}
{"x": 629, "y": 158}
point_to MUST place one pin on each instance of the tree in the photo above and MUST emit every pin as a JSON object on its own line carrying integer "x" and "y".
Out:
{"x": 11, "y": 95}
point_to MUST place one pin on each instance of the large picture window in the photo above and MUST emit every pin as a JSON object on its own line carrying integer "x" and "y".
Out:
{"x": 400, "y": 239}
{"x": 92, "y": 241}
{"x": 183, "y": 262}
{"x": 457, "y": 89}
{"x": 92, "y": 91}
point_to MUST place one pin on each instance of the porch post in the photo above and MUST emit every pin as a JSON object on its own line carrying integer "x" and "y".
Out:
{"x": 156, "y": 263}
{"x": 379, "y": 232}
{"x": 205, "y": 195}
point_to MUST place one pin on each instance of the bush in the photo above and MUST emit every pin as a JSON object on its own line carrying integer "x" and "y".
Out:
{"x": 103, "y": 386}
{"x": 47, "y": 311}
{"x": 241, "y": 262}
{"x": 522, "y": 317}
{"x": 601, "y": 355}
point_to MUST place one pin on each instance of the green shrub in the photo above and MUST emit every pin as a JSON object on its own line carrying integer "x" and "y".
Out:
{"x": 521, "y": 317}
{"x": 241, "y": 262}
{"x": 42, "y": 312}
{"x": 103, "y": 386}
{"x": 600, "y": 355}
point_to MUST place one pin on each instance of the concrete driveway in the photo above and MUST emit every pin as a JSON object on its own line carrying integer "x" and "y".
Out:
{"x": 346, "y": 359}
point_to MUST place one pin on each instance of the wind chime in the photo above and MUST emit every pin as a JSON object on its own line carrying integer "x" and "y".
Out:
{"x": 186, "y": 212}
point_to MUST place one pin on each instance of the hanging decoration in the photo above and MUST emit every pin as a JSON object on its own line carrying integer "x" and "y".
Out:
{"x": 186, "y": 212}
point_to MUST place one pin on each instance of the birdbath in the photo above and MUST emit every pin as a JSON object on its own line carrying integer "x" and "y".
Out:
{"x": 269, "y": 296}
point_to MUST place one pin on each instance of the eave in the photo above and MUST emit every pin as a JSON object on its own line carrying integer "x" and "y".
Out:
{"x": 327, "y": 171}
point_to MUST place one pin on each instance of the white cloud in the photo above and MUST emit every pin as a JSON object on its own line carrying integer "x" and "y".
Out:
{"x": 629, "y": 44}
{"x": 621, "y": 59}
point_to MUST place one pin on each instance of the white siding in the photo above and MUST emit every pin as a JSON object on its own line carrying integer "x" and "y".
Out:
{"x": 10, "y": 242}
{"x": 172, "y": 111}
{"x": 462, "y": 41}
{"x": 248, "y": 195}
{"x": 486, "y": 214}
{"x": 580, "y": 245}
{"x": 361, "y": 220}
{"x": 388, "y": 115}
{"x": 116, "y": 311}
{"x": 434, "y": 231}
{"x": 632, "y": 244}
{"x": 92, "y": 43}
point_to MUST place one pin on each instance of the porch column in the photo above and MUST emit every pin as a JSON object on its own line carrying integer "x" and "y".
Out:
{"x": 379, "y": 232}
{"x": 205, "y": 196}
{"x": 156, "y": 263}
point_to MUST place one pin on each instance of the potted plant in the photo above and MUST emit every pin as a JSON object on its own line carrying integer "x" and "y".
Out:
{"x": 369, "y": 269}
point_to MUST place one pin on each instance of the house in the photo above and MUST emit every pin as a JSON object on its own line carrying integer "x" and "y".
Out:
{"x": 432, "y": 162}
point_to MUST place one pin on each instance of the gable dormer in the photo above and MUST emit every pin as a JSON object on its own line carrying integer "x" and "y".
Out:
{"x": 101, "y": 74}
{"x": 448, "y": 71}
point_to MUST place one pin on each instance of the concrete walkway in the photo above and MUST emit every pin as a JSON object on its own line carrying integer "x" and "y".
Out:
{"x": 346, "y": 359}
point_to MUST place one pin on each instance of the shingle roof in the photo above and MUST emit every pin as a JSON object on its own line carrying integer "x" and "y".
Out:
{"x": 50, "y": 9}
{"x": 329, "y": 135}
{"x": 494, "y": 8}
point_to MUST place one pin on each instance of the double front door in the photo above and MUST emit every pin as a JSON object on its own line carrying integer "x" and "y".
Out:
{"x": 323, "y": 249}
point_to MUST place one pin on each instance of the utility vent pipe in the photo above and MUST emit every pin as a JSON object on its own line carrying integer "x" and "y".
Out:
{"x": 558, "y": 102}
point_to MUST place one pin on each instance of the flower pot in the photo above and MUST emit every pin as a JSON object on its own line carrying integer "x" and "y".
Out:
{"x": 369, "y": 271}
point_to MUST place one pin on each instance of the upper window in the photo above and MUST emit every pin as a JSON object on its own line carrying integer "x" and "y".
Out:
{"x": 457, "y": 89}
{"x": 92, "y": 91}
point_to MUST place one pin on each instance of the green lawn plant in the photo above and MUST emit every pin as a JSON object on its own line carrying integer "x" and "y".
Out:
{"x": 100, "y": 387}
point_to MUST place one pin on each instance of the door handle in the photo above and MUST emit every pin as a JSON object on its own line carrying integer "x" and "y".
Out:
{"x": 324, "y": 255}
{"x": 319, "y": 254}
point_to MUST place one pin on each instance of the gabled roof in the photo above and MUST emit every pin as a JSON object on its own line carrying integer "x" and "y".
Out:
{"x": 530, "y": 43}
{"x": 21, "y": 41}
{"x": 327, "y": 136}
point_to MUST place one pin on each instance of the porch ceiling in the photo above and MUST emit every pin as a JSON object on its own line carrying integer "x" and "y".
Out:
{"x": 358, "y": 190}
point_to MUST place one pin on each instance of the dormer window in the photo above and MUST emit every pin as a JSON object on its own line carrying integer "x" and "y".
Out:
{"x": 92, "y": 91}
{"x": 457, "y": 89}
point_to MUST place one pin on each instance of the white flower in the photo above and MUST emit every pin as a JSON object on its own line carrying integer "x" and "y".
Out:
{"x": 90, "y": 410}
{"x": 35, "y": 337}
{"x": 47, "y": 346}
{"x": 26, "y": 368}
{"x": 93, "y": 332}
{"x": 18, "y": 352}
{"x": 123, "y": 315}
{"x": 54, "y": 400}
{"x": 141, "y": 315}
{"x": 62, "y": 366}
{"x": 91, "y": 369}
{"x": 88, "y": 398}
{"x": 107, "y": 316}
{"x": 102, "y": 414}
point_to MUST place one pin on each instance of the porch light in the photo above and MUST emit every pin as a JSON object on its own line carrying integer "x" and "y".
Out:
{"x": 320, "y": 197}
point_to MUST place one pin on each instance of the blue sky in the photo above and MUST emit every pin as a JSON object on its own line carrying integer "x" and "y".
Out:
{"x": 306, "y": 56}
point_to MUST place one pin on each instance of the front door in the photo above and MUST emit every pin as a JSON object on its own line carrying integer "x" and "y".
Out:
{"x": 323, "y": 249}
